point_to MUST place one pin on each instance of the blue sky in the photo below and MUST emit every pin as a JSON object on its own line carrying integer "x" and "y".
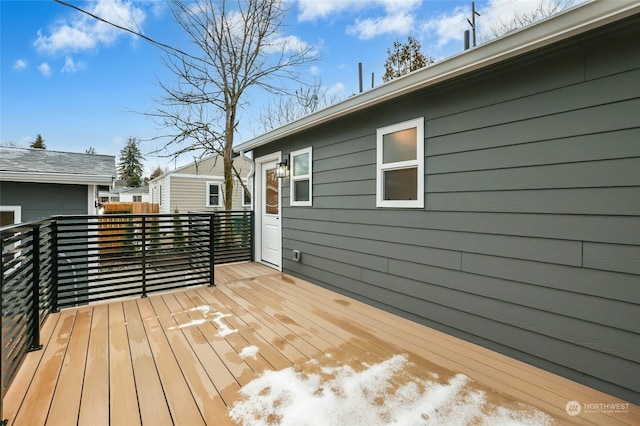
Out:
{"x": 80, "y": 83}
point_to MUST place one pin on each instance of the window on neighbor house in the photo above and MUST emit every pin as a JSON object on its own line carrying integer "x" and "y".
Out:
{"x": 400, "y": 165}
{"x": 214, "y": 194}
{"x": 137, "y": 198}
{"x": 246, "y": 196}
{"x": 10, "y": 215}
{"x": 301, "y": 171}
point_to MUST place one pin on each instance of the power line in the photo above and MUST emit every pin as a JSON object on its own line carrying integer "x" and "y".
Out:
{"x": 482, "y": 12}
{"x": 163, "y": 46}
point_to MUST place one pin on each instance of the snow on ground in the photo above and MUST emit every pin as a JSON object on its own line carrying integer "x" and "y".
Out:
{"x": 249, "y": 351}
{"x": 381, "y": 394}
{"x": 205, "y": 310}
{"x": 223, "y": 329}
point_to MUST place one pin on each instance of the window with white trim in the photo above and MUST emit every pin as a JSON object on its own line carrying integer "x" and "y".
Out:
{"x": 214, "y": 194}
{"x": 300, "y": 175}
{"x": 246, "y": 196}
{"x": 400, "y": 165}
{"x": 10, "y": 215}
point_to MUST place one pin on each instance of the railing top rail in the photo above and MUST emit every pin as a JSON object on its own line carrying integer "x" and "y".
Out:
{"x": 126, "y": 215}
{"x": 25, "y": 226}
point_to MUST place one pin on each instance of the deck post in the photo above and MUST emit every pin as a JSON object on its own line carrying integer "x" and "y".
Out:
{"x": 252, "y": 229}
{"x": 212, "y": 250}
{"x": 143, "y": 251}
{"x": 35, "y": 289}
{"x": 54, "y": 267}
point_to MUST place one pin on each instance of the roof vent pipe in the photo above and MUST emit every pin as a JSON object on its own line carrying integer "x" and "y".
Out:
{"x": 466, "y": 39}
{"x": 360, "y": 75}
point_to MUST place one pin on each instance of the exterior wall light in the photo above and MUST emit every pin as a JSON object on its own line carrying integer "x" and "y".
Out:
{"x": 282, "y": 169}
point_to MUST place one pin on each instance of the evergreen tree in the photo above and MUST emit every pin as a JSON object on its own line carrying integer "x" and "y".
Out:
{"x": 404, "y": 58}
{"x": 38, "y": 143}
{"x": 130, "y": 166}
{"x": 91, "y": 150}
{"x": 156, "y": 172}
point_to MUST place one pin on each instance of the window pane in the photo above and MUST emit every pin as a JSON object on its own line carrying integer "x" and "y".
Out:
{"x": 214, "y": 195}
{"x": 399, "y": 146}
{"x": 7, "y": 218}
{"x": 301, "y": 190}
{"x": 272, "y": 196}
{"x": 401, "y": 184}
{"x": 301, "y": 165}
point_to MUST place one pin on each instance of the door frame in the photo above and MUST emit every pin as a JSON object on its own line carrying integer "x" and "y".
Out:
{"x": 259, "y": 162}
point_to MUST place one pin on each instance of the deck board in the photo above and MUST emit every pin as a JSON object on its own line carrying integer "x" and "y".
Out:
{"x": 176, "y": 357}
{"x": 123, "y": 409}
{"x": 95, "y": 398}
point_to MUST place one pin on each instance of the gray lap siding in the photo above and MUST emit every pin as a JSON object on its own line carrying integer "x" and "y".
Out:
{"x": 529, "y": 242}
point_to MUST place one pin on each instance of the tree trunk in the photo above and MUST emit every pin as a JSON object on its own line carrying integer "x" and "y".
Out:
{"x": 228, "y": 161}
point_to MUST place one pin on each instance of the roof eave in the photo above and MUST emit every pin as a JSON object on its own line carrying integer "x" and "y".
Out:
{"x": 573, "y": 22}
{"x": 58, "y": 178}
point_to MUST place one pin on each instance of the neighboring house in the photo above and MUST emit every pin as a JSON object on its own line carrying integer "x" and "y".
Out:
{"x": 494, "y": 196}
{"x": 199, "y": 186}
{"x": 135, "y": 195}
{"x": 38, "y": 183}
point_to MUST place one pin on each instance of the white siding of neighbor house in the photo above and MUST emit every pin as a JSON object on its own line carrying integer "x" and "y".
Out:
{"x": 185, "y": 189}
{"x": 189, "y": 193}
{"x": 128, "y": 197}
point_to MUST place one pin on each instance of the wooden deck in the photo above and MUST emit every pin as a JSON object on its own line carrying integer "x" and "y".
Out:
{"x": 175, "y": 358}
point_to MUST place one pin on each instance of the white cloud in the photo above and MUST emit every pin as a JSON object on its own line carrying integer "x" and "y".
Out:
{"x": 312, "y": 10}
{"x": 335, "y": 90}
{"x": 19, "y": 65}
{"x": 84, "y": 32}
{"x": 288, "y": 43}
{"x": 44, "y": 69}
{"x": 450, "y": 26}
{"x": 71, "y": 66}
{"x": 366, "y": 29}
{"x": 386, "y": 16}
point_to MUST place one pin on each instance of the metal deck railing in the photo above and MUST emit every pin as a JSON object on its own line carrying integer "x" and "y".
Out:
{"x": 66, "y": 261}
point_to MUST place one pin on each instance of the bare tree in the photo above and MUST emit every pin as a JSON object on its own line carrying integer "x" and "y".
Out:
{"x": 284, "y": 109}
{"x": 404, "y": 58}
{"x": 543, "y": 9}
{"x": 239, "y": 46}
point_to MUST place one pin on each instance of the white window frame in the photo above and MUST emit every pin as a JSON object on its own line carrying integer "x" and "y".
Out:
{"x": 219, "y": 185}
{"x": 418, "y": 124}
{"x": 16, "y": 210}
{"x": 294, "y": 178}
{"x": 244, "y": 201}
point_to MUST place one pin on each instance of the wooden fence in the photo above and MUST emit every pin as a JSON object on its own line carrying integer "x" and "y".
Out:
{"x": 110, "y": 231}
{"x": 131, "y": 208}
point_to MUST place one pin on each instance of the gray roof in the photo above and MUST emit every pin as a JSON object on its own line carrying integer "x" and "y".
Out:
{"x": 46, "y": 161}
{"x": 51, "y": 164}
{"x": 140, "y": 190}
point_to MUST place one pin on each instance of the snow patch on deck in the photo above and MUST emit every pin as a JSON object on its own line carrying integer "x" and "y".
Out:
{"x": 249, "y": 351}
{"x": 207, "y": 312}
{"x": 381, "y": 394}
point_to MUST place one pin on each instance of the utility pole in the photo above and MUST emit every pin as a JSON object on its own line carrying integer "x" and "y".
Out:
{"x": 472, "y": 22}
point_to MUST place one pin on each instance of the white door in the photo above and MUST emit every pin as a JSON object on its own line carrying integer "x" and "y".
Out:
{"x": 269, "y": 211}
